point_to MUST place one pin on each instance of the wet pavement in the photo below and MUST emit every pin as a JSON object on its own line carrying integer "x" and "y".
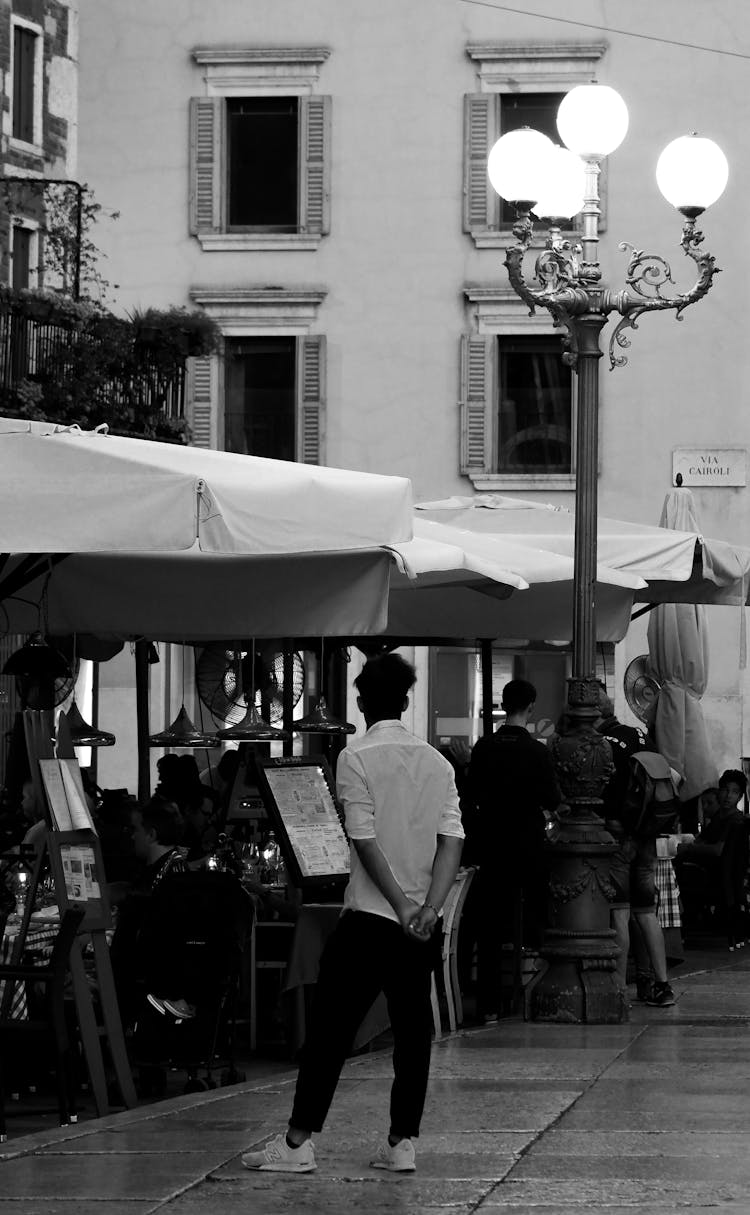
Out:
{"x": 651, "y": 1116}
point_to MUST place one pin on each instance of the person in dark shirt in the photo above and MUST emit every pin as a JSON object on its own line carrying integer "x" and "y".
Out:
{"x": 712, "y": 867}
{"x": 156, "y": 829}
{"x": 512, "y": 782}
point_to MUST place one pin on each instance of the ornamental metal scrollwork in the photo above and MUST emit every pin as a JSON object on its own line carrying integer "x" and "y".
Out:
{"x": 566, "y": 892}
{"x": 647, "y": 274}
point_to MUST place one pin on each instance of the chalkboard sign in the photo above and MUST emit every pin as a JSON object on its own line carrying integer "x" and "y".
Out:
{"x": 298, "y": 791}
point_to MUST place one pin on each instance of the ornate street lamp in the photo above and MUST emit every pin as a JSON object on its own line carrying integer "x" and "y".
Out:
{"x": 526, "y": 170}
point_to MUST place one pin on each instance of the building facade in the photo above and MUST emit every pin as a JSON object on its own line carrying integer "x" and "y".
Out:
{"x": 314, "y": 176}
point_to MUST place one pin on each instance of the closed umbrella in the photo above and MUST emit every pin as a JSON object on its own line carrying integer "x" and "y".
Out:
{"x": 678, "y": 654}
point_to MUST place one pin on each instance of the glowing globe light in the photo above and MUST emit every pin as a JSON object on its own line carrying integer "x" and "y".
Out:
{"x": 692, "y": 173}
{"x": 592, "y": 120}
{"x": 517, "y": 165}
{"x": 563, "y": 188}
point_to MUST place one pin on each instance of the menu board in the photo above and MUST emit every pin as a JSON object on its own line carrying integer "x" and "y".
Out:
{"x": 76, "y": 861}
{"x": 301, "y": 802}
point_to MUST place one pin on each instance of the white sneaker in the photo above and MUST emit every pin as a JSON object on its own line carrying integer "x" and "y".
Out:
{"x": 278, "y": 1157}
{"x": 398, "y": 1159}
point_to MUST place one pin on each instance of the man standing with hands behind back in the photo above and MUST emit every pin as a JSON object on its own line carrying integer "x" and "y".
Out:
{"x": 404, "y": 826}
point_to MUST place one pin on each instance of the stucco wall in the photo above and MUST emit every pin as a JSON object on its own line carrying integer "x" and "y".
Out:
{"x": 396, "y": 259}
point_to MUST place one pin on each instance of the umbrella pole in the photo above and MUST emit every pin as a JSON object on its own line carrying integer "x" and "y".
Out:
{"x": 142, "y": 725}
{"x": 485, "y": 649}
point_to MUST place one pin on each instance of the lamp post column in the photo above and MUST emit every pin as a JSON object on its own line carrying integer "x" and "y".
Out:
{"x": 579, "y": 947}
{"x": 580, "y": 983}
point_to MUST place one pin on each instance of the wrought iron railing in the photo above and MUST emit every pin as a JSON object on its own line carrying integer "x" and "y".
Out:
{"x": 103, "y": 368}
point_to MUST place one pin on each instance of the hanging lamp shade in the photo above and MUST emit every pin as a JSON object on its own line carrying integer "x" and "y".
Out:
{"x": 37, "y": 659}
{"x": 322, "y": 721}
{"x": 84, "y": 735}
{"x": 253, "y": 728}
{"x": 182, "y": 733}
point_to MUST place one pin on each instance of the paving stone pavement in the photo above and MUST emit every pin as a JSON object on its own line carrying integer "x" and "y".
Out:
{"x": 522, "y": 1118}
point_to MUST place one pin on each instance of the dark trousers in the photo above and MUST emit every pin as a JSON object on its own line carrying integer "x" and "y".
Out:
{"x": 367, "y": 954}
{"x": 512, "y": 903}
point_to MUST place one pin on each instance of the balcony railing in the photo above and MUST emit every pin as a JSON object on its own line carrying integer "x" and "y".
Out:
{"x": 69, "y": 363}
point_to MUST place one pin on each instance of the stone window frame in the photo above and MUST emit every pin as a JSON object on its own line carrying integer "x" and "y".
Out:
{"x": 514, "y": 67}
{"x": 291, "y": 71}
{"x": 36, "y": 147}
{"x": 496, "y": 311}
{"x": 262, "y": 311}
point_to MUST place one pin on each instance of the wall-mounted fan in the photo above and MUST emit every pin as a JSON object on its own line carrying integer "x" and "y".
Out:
{"x": 44, "y": 674}
{"x": 224, "y": 679}
{"x": 641, "y": 687}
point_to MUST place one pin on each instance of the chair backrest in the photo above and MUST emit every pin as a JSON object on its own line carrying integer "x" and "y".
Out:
{"x": 453, "y": 907}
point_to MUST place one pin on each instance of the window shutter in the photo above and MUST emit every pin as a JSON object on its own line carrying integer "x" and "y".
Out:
{"x": 201, "y": 414}
{"x": 479, "y": 130}
{"x": 310, "y": 398}
{"x": 477, "y": 366}
{"x": 205, "y": 163}
{"x": 315, "y": 164}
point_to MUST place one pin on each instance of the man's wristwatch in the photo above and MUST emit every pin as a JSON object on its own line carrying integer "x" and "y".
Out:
{"x": 432, "y": 907}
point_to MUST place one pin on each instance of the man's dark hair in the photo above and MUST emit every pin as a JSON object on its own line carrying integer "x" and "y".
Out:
{"x": 163, "y": 818}
{"x": 518, "y": 695}
{"x": 733, "y": 776}
{"x": 384, "y": 683}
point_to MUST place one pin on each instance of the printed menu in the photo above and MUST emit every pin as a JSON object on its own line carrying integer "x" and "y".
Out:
{"x": 80, "y": 873}
{"x": 312, "y": 823}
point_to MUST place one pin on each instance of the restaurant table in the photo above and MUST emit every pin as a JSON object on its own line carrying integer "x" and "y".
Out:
{"x": 40, "y": 938}
{"x": 315, "y": 923}
{"x": 669, "y": 912}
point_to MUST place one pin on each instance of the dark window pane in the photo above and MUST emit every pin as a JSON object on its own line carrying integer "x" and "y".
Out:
{"x": 259, "y": 395}
{"x": 24, "y": 44}
{"x": 263, "y": 162}
{"x": 21, "y": 257}
{"x": 535, "y": 110}
{"x": 534, "y": 407}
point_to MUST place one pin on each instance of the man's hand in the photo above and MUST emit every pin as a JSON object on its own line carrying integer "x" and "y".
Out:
{"x": 423, "y": 924}
{"x": 407, "y": 913}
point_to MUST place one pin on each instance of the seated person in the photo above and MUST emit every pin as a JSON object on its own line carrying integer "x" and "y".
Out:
{"x": 156, "y": 830}
{"x": 708, "y": 805}
{"x": 703, "y": 868}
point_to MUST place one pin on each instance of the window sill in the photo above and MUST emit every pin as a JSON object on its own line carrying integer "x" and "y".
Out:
{"x": 497, "y": 482}
{"x": 487, "y": 238}
{"x": 237, "y": 242}
{"x": 20, "y": 145}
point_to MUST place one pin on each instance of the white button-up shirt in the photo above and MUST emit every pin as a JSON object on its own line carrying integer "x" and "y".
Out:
{"x": 397, "y": 789}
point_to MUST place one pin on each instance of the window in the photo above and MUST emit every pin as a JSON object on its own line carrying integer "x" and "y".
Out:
{"x": 517, "y": 401}
{"x": 259, "y": 397}
{"x": 27, "y": 83}
{"x": 266, "y": 394}
{"x": 260, "y": 150}
{"x": 21, "y": 256}
{"x": 521, "y": 85}
{"x": 533, "y": 407}
{"x": 262, "y": 177}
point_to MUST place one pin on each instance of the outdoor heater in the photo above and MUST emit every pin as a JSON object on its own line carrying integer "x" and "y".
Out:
{"x": 555, "y": 184}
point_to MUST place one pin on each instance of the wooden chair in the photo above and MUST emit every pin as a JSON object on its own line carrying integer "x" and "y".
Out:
{"x": 270, "y": 942}
{"x": 46, "y": 1024}
{"x": 452, "y": 909}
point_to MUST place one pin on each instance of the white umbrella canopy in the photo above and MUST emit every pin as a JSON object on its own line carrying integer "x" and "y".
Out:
{"x": 170, "y": 542}
{"x": 453, "y": 582}
{"x": 64, "y": 490}
{"x": 677, "y": 563}
{"x": 678, "y": 655}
